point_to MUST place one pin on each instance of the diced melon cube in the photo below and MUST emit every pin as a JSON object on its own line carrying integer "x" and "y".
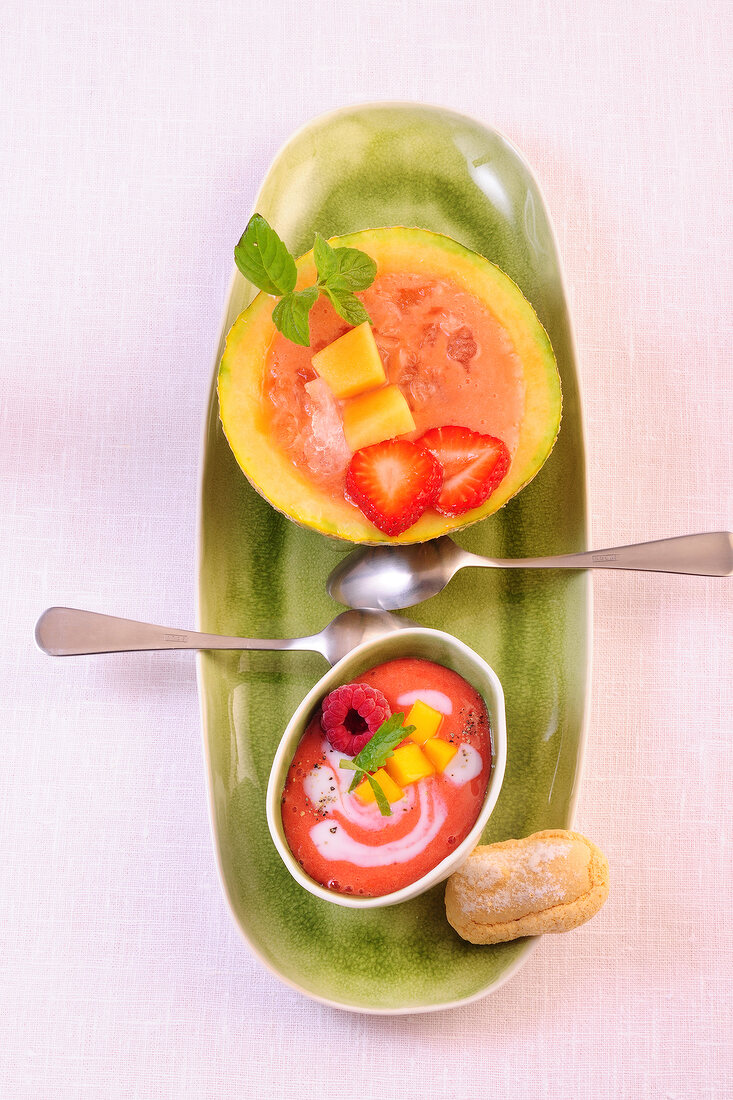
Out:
{"x": 425, "y": 719}
{"x": 352, "y": 363}
{"x": 439, "y": 753}
{"x": 392, "y": 792}
{"x": 408, "y": 764}
{"x": 377, "y": 415}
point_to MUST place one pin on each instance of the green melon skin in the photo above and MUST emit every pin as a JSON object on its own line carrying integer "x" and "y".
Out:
{"x": 398, "y": 248}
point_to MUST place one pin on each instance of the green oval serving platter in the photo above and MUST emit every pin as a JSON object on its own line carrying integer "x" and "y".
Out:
{"x": 261, "y": 575}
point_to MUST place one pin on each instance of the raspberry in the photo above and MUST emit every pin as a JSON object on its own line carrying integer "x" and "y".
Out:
{"x": 351, "y": 715}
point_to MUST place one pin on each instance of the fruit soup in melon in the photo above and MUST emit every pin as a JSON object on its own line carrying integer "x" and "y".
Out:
{"x": 445, "y": 350}
{"x": 435, "y": 782}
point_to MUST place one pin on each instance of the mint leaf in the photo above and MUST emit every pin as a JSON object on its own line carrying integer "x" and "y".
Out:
{"x": 380, "y": 796}
{"x": 341, "y": 271}
{"x": 358, "y": 778}
{"x": 291, "y": 315}
{"x": 376, "y": 786}
{"x": 342, "y": 268}
{"x": 347, "y": 305}
{"x": 354, "y": 270}
{"x": 325, "y": 259}
{"x": 383, "y": 743}
{"x": 263, "y": 258}
{"x": 360, "y": 773}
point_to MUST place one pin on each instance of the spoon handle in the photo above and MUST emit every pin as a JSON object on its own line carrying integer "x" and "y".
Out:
{"x": 705, "y": 555}
{"x": 67, "y": 632}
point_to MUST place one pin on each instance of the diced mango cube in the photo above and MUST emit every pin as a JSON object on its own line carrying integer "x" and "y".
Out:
{"x": 392, "y": 792}
{"x": 425, "y": 719}
{"x": 409, "y": 764}
{"x": 439, "y": 753}
{"x": 352, "y": 363}
{"x": 377, "y": 415}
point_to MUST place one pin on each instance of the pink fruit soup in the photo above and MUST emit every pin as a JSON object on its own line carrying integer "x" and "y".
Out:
{"x": 447, "y": 352}
{"x": 348, "y": 846}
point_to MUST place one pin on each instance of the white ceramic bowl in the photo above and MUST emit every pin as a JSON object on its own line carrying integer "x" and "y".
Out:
{"x": 432, "y": 645}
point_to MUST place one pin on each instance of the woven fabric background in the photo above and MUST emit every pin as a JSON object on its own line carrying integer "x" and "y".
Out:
{"x": 133, "y": 137}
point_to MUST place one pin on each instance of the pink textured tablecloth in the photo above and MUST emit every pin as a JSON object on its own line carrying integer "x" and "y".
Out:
{"x": 134, "y": 136}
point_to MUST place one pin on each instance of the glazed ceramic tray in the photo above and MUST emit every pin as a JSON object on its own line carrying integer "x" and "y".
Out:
{"x": 262, "y": 575}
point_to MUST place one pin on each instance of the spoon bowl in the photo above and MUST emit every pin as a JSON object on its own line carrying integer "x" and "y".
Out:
{"x": 391, "y": 577}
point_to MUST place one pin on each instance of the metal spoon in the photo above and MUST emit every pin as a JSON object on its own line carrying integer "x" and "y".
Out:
{"x": 66, "y": 632}
{"x": 390, "y": 577}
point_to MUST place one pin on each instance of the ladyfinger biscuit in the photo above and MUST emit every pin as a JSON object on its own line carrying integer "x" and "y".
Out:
{"x": 548, "y": 882}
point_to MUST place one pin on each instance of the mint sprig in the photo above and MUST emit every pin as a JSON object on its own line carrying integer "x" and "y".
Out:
{"x": 341, "y": 271}
{"x": 264, "y": 259}
{"x": 375, "y": 754}
{"x": 343, "y": 268}
{"x": 383, "y": 742}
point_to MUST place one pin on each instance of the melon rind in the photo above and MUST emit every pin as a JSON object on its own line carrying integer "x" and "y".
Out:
{"x": 394, "y": 249}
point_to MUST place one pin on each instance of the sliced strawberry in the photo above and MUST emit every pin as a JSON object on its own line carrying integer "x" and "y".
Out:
{"x": 393, "y": 483}
{"x": 473, "y": 465}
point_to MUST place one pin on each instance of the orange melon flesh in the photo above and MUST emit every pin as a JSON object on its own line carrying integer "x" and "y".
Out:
{"x": 351, "y": 364}
{"x": 440, "y": 753}
{"x": 246, "y": 417}
{"x": 376, "y": 415}
{"x": 391, "y": 791}
{"x": 425, "y": 719}
{"x": 408, "y": 764}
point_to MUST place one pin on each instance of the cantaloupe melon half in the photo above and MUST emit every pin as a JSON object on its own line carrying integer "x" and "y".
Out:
{"x": 274, "y": 475}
